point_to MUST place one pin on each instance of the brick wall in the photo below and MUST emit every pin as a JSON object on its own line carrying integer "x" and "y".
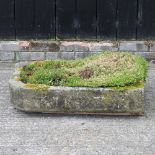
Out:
{"x": 16, "y": 51}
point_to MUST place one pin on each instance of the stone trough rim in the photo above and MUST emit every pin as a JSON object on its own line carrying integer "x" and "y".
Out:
{"x": 19, "y": 85}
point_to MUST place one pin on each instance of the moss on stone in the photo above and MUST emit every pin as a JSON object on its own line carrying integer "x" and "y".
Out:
{"x": 37, "y": 87}
{"x": 17, "y": 78}
{"x": 130, "y": 87}
{"x": 19, "y": 69}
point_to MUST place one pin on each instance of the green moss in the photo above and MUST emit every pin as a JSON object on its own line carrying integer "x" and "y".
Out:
{"x": 130, "y": 87}
{"x": 119, "y": 70}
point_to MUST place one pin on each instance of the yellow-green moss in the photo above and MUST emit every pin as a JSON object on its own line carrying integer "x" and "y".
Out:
{"x": 17, "y": 78}
{"x": 37, "y": 87}
{"x": 19, "y": 69}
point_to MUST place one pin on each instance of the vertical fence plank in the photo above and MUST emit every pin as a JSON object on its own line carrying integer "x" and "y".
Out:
{"x": 86, "y": 15}
{"x": 146, "y": 19}
{"x": 24, "y": 18}
{"x": 126, "y": 18}
{"x": 65, "y": 19}
{"x": 7, "y": 29}
{"x": 106, "y": 15}
{"x": 45, "y": 19}
{"x": 35, "y": 19}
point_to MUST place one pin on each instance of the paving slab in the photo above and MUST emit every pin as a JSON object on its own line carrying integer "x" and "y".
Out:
{"x": 46, "y": 134}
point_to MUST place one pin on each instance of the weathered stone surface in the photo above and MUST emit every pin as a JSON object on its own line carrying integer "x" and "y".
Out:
{"x": 37, "y": 56}
{"x": 102, "y": 46}
{"x": 80, "y": 55}
{"x": 9, "y": 46}
{"x": 147, "y": 55}
{"x": 28, "y": 56}
{"x": 36, "y": 46}
{"x": 76, "y": 99}
{"x": 33, "y": 50}
{"x": 152, "y": 46}
{"x": 23, "y": 56}
{"x": 52, "y": 55}
{"x": 67, "y": 55}
{"x": 133, "y": 46}
{"x": 74, "y": 46}
{"x": 7, "y": 56}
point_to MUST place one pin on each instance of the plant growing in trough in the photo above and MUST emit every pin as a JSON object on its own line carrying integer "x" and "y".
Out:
{"x": 111, "y": 83}
{"x": 110, "y": 69}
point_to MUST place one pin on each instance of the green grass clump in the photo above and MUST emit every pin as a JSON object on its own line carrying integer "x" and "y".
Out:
{"x": 109, "y": 69}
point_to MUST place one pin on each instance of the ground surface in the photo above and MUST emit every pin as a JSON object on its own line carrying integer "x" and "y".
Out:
{"x": 40, "y": 134}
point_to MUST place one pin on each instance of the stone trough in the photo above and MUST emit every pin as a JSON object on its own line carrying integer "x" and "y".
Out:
{"x": 75, "y": 100}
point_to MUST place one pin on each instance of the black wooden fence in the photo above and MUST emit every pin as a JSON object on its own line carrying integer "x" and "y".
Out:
{"x": 77, "y": 19}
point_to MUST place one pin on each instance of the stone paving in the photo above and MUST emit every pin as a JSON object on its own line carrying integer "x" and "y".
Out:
{"x": 44, "y": 134}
